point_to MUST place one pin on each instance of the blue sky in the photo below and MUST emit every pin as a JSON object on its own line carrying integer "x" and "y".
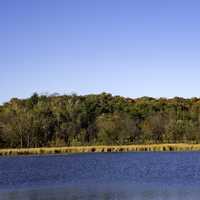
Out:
{"x": 125, "y": 47}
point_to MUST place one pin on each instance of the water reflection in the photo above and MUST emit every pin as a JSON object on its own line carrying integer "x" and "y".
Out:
{"x": 104, "y": 192}
{"x": 121, "y": 176}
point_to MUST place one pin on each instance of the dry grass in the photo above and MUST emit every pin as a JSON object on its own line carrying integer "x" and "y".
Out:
{"x": 88, "y": 149}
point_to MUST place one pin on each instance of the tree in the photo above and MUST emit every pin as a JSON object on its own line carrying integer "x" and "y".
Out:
{"x": 114, "y": 128}
{"x": 154, "y": 127}
{"x": 43, "y": 120}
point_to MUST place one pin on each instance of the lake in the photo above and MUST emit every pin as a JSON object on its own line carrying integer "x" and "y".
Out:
{"x": 101, "y": 176}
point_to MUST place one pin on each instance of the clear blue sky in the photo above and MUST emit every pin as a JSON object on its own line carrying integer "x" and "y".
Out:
{"x": 125, "y": 47}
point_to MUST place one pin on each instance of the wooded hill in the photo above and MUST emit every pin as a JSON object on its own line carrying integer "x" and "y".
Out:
{"x": 72, "y": 120}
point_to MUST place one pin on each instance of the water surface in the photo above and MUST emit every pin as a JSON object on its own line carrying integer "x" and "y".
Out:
{"x": 126, "y": 176}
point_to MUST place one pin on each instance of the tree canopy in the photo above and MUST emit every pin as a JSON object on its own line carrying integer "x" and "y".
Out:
{"x": 71, "y": 120}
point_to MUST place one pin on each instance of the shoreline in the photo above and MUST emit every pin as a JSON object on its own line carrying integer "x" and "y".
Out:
{"x": 181, "y": 147}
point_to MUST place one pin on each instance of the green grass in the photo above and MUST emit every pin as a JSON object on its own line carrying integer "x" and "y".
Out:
{"x": 88, "y": 149}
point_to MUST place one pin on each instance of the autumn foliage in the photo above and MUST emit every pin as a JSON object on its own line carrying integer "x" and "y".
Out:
{"x": 72, "y": 120}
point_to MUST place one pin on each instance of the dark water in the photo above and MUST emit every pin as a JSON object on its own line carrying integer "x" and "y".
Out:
{"x": 105, "y": 176}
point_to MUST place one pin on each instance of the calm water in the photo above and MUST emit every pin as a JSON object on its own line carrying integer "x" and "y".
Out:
{"x": 105, "y": 176}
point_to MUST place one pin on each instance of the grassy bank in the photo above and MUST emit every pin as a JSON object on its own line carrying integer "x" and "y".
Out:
{"x": 88, "y": 149}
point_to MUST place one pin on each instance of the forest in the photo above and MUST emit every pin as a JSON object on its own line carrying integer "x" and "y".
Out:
{"x": 103, "y": 119}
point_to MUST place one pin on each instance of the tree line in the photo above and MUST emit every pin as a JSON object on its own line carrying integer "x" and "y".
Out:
{"x": 73, "y": 120}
